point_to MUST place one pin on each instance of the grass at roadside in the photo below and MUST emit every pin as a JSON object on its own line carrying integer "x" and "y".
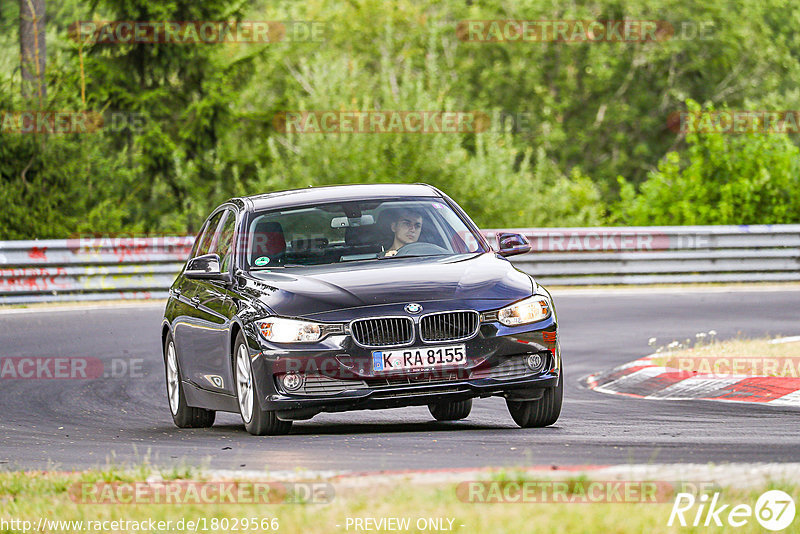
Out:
{"x": 30, "y": 496}
{"x": 754, "y": 357}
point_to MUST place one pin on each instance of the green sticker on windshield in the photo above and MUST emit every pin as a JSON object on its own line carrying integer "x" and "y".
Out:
{"x": 262, "y": 260}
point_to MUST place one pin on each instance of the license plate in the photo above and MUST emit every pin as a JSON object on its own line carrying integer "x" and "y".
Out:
{"x": 419, "y": 358}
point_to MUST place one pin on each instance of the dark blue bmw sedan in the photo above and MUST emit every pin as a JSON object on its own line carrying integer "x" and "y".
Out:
{"x": 355, "y": 297}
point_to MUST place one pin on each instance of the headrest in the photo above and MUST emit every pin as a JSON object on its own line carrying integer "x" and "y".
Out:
{"x": 360, "y": 235}
{"x": 268, "y": 240}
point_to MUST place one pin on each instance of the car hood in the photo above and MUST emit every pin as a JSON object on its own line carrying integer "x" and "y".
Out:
{"x": 306, "y": 291}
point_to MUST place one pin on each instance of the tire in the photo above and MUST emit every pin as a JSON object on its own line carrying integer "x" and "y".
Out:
{"x": 183, "y": 416}
{"x": 539, "y": 413}
{"x": 450, "y": 411}
{"x": 256, "y": 421}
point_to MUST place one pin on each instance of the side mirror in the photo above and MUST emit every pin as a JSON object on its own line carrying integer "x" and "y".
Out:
{"x": 511, "y": 244}
{"x": 206, "y": 267}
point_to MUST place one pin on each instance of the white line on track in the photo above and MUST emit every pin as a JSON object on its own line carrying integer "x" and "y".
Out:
{"x": 682, "y": 290}
{"x": 780, "y": 340}
{"x": 91, "y": 307}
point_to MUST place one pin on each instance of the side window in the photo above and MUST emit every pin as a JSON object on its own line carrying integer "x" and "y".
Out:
{"x": 224, "y": 242}
{"x": 208, "y": 235}
{"x": 197, "y": 240}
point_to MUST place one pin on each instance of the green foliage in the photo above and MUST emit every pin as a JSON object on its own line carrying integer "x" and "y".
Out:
{"x": 61, "y": 185}
{"x": 486, "y": 173}
{"x": 721, "y": 179}
{"x": 594, "y": 112}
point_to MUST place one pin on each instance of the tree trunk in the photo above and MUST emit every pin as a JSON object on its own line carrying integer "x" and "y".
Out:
{"x": 33, "y": 57}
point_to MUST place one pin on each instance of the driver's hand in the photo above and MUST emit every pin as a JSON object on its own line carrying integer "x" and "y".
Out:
{"x": 390, "y": 253}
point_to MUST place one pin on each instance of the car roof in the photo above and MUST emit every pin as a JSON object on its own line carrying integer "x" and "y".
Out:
{"x": 341, "y": 193}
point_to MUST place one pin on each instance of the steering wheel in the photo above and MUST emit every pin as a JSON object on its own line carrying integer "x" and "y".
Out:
{"x": 420, "y": 248}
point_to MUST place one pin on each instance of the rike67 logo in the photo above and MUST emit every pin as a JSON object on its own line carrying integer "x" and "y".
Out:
{"x": 774, "y": 510}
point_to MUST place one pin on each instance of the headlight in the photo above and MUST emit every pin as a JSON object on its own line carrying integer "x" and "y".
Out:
{"x": 526, "y": 311}
{"x": 282, "y": 330}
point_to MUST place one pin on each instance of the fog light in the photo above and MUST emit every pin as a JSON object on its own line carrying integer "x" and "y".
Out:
{"x": 292, "y": 381}
{"x": 535, "y": 362}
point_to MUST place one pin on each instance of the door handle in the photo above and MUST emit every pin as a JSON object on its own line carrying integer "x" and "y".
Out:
{"x": 195, "y": 301}
{"x": 176, "y": 291}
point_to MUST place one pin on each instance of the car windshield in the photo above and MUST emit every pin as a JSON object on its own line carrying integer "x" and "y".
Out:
{"x": 367, "y": 230}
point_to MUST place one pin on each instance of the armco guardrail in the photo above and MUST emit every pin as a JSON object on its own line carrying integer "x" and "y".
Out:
{"x": 661, "y": 254}
{"x": 90, "y": 268}
{"x": 134, "y": 268}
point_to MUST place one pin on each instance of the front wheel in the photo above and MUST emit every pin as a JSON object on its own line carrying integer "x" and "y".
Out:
{"x": 450, "y": 410}
{"x": 257, "y": 421}
{"x": 541, "y": 412}
{"x": 183, "y": 415}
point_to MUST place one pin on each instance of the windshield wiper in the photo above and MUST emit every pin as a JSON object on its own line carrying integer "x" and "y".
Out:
{"x": 269, "y": 267}
{"x": 412, "y": 256}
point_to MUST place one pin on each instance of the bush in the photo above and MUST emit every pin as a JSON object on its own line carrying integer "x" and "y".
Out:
{"x": 721, "y": 179}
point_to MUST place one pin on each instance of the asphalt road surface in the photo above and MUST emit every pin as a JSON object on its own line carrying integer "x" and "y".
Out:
{"x": 70, "y": 424}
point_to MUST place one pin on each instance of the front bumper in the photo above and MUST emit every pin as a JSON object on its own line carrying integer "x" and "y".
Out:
{"x": 295, "y": 407}
{"x": 344, "y": 380}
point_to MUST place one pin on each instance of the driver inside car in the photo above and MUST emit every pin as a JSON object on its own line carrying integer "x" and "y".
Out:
{"x": 406, "y": 229}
